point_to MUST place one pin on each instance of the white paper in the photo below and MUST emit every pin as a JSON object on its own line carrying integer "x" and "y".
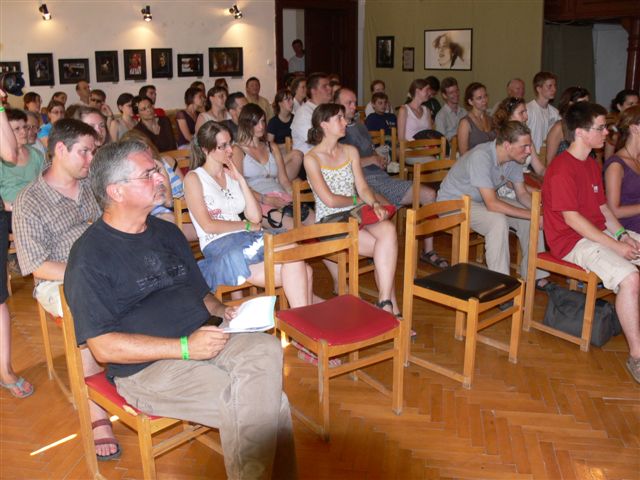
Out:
{"x": 255, "y": 315}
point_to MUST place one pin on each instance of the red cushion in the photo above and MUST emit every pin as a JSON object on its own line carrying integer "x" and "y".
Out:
{"x": 550, "y": 258}
{"x": 340, "y": 320}
{"x": 99, "y": 383}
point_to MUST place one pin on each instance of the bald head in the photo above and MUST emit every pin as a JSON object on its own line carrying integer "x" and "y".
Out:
{"x": 515, "y": 88}
{"x": 346, "y": 98}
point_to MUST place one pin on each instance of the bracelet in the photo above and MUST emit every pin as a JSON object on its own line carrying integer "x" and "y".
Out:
{"x": 184, "y": 346}
{"x": 2, "y": 109}
{"x": 619, "y": 233}
{"x": 247, "y": 225}
{"x": 355, "y": 200}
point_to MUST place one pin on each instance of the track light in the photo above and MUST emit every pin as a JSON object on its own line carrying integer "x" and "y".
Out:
{"x": 146, "y": 13}
{"x": 235, "y": 11}
{"x": 45, "y": 12}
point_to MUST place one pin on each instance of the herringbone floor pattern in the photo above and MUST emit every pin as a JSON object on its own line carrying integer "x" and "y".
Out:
{"x": 557, "y": 414}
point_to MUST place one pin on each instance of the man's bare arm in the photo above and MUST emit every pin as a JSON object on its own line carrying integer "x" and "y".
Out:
{"x": 53, "y": 271}
{"x": 494, "y": 204}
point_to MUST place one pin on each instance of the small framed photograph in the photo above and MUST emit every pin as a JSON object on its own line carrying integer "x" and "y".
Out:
{"x": 135, "y": 64}
{"x": 40, "y": 69}
{"x": 107, "y": 66}
{"x": 384, "y": 52}
{"x": 408, "y": 59}
{"x": 161, "y": 63}
{"x": 190, "y": 64}
{"x": 72, "y": 70}
{"x": 225, "y": 62}
{"x": 10, "y": 67}
{"x": 448, "y": 49}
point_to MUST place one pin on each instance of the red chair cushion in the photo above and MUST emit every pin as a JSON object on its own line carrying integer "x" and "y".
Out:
{"x": 340, "y": 320}
{"x": 100, "y": 384}
{"x": 550, "y": 258}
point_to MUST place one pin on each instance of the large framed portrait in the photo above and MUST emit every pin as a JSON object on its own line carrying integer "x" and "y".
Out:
{"x": 135, "y": 64}
{"x": 73, "y": 70}
{"x": 161, "y": 63}
{"x": 448, "y": 49}
{"x": 225, "y": 62}
{"x": 384, "y": 52}
{"x": 40, "y": 69}
{"x": 107, "y": 66}
{"x": 190, "y": 64}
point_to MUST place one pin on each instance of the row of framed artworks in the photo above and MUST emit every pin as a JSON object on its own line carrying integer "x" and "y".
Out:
{"x": 225, "y": 61}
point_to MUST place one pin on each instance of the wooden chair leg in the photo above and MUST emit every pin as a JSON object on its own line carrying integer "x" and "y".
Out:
{"x": 460, "y": 325}
{"x": 146, "y": 448}
{"x": 323, "y": 389}
{"x": 516, "y": 324}
{"x": 353, "y": 357}
{"x": 398, "y": 375}
{"x": 46, "y": 340}
{"x": 405, "y": 326}
{"x": 470, "y": 344}
{"x": 589, "y": 312}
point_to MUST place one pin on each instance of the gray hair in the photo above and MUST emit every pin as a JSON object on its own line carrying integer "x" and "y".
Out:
{"x": 110, "y": 165}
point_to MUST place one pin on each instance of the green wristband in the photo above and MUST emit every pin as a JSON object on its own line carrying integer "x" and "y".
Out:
{"x": 184, "y": 346}
{"x": 247, "y": 225}
{"x": 619, "y": 233}
{"x": 355, "y": 200}
{"x": 2, "y": 109}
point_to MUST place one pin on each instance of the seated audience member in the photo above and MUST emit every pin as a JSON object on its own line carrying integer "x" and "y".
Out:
{"x": 296, "y": 63}
{"x": 214, "y": 108}
{"x": 542, "y": 115}
{"x": 252, "y": 92}
{"x": 158, "y": 129}
{"x": 49, "y": 216}
{"x": 450, "y": 114}
{"x": 150, "y": 92}
{"x": 334, "y": 85}
{"x": 396, "y": 191}
{"x": 14, "y": 176}
{"x": 234, "y": 104}
{"x": 221, "y": 82}
{"x": 557, "y": 142}
{"x": 126, "y": 122}
{"x": 139, "y": 328}
{"x": 413, "y": 117}
{"x": 279, "y": 128}
{"x": 199, "y": 85}
{"x": 83, "y": 90}
{"x": 480, "y": 173}
{"x": 55, "y": 112}
{"x": 319, "y": 93}
{"x": 622, "y": 171}
{"x": 432, "y": 102}
{"x": 60, "y": 97}
{"x": 380, "y": 119}
{"x": 299, "y": 90}
{"x": 263, "y": 168}
{"x": 32, "y": 132}
{"x": 233, "y": 249}
{"x": 580, "y": 228}
{"x": 95, "y": 119}
{"x": 186, "y": 119}
{"x": 98, "y": 100}
{"x": 515, "y": 89}
{"x": 623, "y": 100}
{"x": 338, "y": 184}
{"x": 33, "y": 103}
{"x": 477, "y": 126}
{"x": 377, "y": 86}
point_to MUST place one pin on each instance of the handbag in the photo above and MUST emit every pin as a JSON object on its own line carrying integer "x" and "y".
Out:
{"x": 363, "y": 213}
{"x": 565, "y": 312}
{"x": 288, "y": 211}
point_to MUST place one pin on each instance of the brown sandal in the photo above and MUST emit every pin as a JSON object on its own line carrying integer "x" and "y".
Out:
{"x": 106, "y": 441}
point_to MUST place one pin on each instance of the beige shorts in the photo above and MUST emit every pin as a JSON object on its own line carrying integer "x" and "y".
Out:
{"x": 604, "y": 262}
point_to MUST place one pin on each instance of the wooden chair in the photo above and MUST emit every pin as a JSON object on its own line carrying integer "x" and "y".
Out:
{"x": 288, "y": 144}
{"x": 102, "y": 392}
{"x": 469, "y": 289}
{"x": 418, "y": 149}
{"x": 548, "y": 262}
{"x": 377, "y": 137}
{"x": 181, "y": 156}
{"x": 181, "y": 217}
{"x": 394, "y": 144}
{"x": 343, "y": 325}
{"x": 360, "y": 113}
{"x": 453, "y": 147}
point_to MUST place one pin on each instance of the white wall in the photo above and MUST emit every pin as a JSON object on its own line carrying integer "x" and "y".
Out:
{"x": 292, "y": 28}
{"x": 610, "y": 51}
{"x": 78, "y": 29}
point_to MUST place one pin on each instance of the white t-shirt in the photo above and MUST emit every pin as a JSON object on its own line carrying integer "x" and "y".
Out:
{"x": 540, "y": 122}
{"x": 296, "y": 64}
{"x": 301, "y": 125}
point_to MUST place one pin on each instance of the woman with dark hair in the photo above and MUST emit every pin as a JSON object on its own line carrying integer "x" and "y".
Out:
{"x": 413, "y": 117}
{"x": 622, "y": 171}
{"x": 299, "y": 91}
{"x": 624, "y": 99}
{"x": 186, "y": 119}
{"x": 233, "y": 249}
{"x": 33, "y": 103}
{"x": 279, "y": 128}
{"x": 119, "y": 126}
{"x": 158, "y": 129}
{"x": 557, "y": 142}
{"x": 338, "y": 184}
{"x": 215, "y": 109}
{"x": 476, "y": 127}
{"x": 55, "y": 111}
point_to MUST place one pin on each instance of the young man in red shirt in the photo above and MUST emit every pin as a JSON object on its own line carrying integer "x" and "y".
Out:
{"x": 581, "y": 229}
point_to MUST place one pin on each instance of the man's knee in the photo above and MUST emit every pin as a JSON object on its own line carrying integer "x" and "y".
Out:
{"x": 631, "y": 283}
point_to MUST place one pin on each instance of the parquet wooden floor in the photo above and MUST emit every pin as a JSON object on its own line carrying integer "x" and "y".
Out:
{"x": 557, "y": 414}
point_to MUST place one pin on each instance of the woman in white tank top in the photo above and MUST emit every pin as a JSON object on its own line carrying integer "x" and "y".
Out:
{"x": 413, "y": 117}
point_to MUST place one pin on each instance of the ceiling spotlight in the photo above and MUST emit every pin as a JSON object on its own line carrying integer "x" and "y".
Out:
{"x": 235, "y": 11}
{"x": 45, "y": 12}
{"x": 146, "y": 13}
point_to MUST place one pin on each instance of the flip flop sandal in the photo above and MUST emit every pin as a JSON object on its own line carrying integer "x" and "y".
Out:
{"x": 106, "y": 441}
{"x": 21, "y": 392}
{"x": 428, "y": 257}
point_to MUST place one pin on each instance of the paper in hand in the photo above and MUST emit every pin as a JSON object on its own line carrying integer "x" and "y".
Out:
{"x": 255, "y": 315}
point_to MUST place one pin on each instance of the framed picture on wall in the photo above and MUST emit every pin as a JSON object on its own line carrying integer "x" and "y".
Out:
{"x": 72, "y": 70}
{"x": 135, "y": 64}
{"x": 448, "y": 49}
{"x": 190, "y": 64}
{"x": 10, "y": 67}
{"x": 408, "y": 59}
{"x": 384, "y": 52}
{"x": 40, "y": 69}
{"x": 225, "y": 62}
{"x": 107, "y": 66}
{"x": 161, "y": 63}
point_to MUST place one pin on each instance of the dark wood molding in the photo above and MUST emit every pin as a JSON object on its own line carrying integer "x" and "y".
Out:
{"x": 632, "y": 25}
{"x": 590, "y": 10}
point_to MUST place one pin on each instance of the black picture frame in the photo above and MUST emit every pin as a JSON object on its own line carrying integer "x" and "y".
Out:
{"x": 107, "y": 66}
{"x": 190, "y": 64}
{"x": 161, "y": 63}
{"x": 384, "y": 52}
{"x": 450, "y": 49}
{"x": 225, "y": 62}
{"x": 10, "y": 67}
{"x": 73, "y": 70}
{"x": 408, "y": 59}
{"x": 135, "y": 64}
{"x": 41, "y": 71}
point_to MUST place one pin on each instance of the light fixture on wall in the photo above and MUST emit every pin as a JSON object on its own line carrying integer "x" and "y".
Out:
{"x": 235, "y": 11}
{"x": 45, "y": 12}
{"x": 146, "y": 13}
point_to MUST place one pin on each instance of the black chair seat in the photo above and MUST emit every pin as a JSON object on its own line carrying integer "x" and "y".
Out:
{"x": 465, "y": 281}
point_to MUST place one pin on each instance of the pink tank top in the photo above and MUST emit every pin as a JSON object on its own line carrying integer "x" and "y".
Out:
{"x": 415, "y": 124}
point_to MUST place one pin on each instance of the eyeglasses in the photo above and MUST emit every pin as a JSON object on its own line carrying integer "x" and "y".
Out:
{"x": 146, "y": 177}
{"x": 224, "y": 146}
{"x": 601, "y": 128}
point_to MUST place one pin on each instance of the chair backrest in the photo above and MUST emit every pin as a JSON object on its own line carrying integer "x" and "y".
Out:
{"x": 448, "y": 215}
{"x": 394, "y": 144}
{"x": 180, "y": 213}
{"x": 288, "y": 144}
{"x": 291, "y": 246}
{"x": 430, "y": 172}
{"x": 377, "y": 137}
{"x": 436, "y": 147}
{"x": 301, "y": 192}
{"x": 182, "y": 158}
{"x": 453, "y": 147}
{"x": 360, "y": 112}
{"x": 536, "y": 207}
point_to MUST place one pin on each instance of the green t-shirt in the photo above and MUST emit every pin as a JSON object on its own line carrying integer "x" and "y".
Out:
{"x": 14, "y": 178}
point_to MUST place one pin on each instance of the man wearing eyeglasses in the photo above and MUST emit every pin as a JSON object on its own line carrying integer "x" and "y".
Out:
{"x": 49, "y": 215}
{"x": 580, "y": 228}
{"x": 142, "y": 306}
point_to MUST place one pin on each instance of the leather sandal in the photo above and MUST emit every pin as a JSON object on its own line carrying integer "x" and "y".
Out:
{"x": 106, "y": 441}
{"x": 18, "y": 388}
{"x": 432, "y": 258}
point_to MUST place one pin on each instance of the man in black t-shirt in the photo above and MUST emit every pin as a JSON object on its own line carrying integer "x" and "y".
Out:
{"x": 140, "y": 303}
